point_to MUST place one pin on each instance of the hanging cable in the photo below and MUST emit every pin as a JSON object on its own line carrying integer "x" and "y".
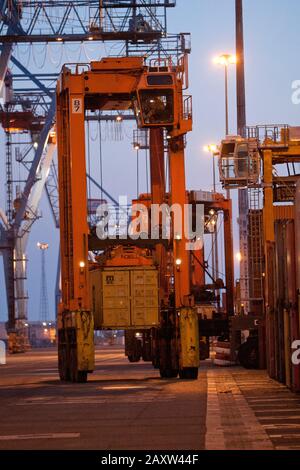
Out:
{"x": 147, "y": 170}
{"x": 222, "y": 245}
{"x": 94, "y": 139}
{"x": 40, "y": 67}
{"x": 167, "y": 163}
{"x": 56, "y": 64}
{"x": 137, "y": 174}
{"x": 101, "y": 159}
{"x": 89, "y": 159}
{"x": 89, "y": 53}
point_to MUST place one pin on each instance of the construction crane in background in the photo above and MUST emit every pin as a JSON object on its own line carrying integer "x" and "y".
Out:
{"x": 28, "y": 108}
{"x": 262, "y": 163}
{"x": 44, "y": 301}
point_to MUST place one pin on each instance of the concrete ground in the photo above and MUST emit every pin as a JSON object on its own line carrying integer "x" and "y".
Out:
{"x": 128, "y": 407}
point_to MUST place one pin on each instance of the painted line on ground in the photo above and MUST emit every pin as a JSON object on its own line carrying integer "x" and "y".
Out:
{"x": 23, "y": 437}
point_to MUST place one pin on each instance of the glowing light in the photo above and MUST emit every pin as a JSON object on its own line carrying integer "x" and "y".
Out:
{"x": 211, "y": 212}
{"x": 239, "y": 256}
{"x": 178, "y": 262}
{"x": 44, "y": 323}
{"x": 35, "y": 145}
{"x": 137, "y": 146}
{"x": 90, "y": 38}
{"x": 82, "y": 264}
{"x": 42, "y": 246}
{"x": 225, "y": 59}
{"x": 119, "y": 118}
{"x": 59, "y": 39}
{"x": 212, "y": 148}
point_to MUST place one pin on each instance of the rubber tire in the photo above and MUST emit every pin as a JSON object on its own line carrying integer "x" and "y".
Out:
{"x": 77, "y": 376}
{"x": 190, "y": 373}
{"x": 134, "y": 359}
{"x": 168, "y": 373}
{"x": 155, "y": 363}
{"x": 82, "y": 376}
{"x": 248, "y": 354}
{"x": 64, "y": 372}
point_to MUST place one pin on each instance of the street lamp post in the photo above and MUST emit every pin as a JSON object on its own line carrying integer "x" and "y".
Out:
{"x": 212, "y": 148}
{"x": 226, "y": 101}
{"x": 44, "y": 306}
{"x": 226, "y": 60}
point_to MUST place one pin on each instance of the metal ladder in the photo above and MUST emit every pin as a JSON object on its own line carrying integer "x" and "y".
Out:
{"x": 255, "y": 245}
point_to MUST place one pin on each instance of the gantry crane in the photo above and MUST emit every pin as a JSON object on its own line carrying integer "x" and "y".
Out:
{"x": 136, "y": 24}
{"x": 265, "y": 164}
{"x": 155, "y": 94}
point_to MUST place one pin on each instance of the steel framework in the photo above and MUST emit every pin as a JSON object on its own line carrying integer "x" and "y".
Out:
{"x": 135, "y": 27}
{"x": 44, "y": 21}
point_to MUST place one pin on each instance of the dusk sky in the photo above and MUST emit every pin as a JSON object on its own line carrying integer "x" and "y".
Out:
{"x": 272, "y": 45}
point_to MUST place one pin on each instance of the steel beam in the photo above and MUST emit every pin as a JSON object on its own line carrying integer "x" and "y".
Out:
{"x": 35, "y": 164}
{"x": 110, "y": 36}
{"x": 7, "y": 251}
{"x": 32, "y": 77}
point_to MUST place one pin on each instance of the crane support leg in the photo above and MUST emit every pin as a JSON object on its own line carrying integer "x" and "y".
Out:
{"x": 75, "y": 346}
{"x": 75, "y": 320}
{"x": 166, "y": 349}
{"x": 189, "y": 343}
{"x": 185, "y": 315}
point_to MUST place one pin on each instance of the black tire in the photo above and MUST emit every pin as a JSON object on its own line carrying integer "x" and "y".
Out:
{"x": 168, "y": 373}
{"x": 248, "y": 354}
{"x": 189, "y": 373}
{"x": 133, "y": 359}
{"x": 82, "y": 376}
{"x": 155, "y": 363}
{"x": 73, "y": 364}
{"x": 63, "y": 369}
{"x": 203, "y": 351}
{"x": 77, "y": 376}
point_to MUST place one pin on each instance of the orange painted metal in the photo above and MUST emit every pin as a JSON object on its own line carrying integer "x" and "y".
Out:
{"x": 197, "y": 271}
{"x": 73, "y": 205}
{"x": 158, "y": 196}
{"x": 178, "y": 197}
{"x": 111, "y": 84}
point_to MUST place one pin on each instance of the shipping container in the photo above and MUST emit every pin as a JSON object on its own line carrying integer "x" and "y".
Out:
{"x": 124, "y": 298}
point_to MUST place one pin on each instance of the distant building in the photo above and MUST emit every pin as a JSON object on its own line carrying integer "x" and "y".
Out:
{"x": 41, "y": 334}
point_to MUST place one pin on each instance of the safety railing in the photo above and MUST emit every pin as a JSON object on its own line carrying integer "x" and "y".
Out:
{"x": 269, "y": 134}
{"x": 187, "y": 107}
